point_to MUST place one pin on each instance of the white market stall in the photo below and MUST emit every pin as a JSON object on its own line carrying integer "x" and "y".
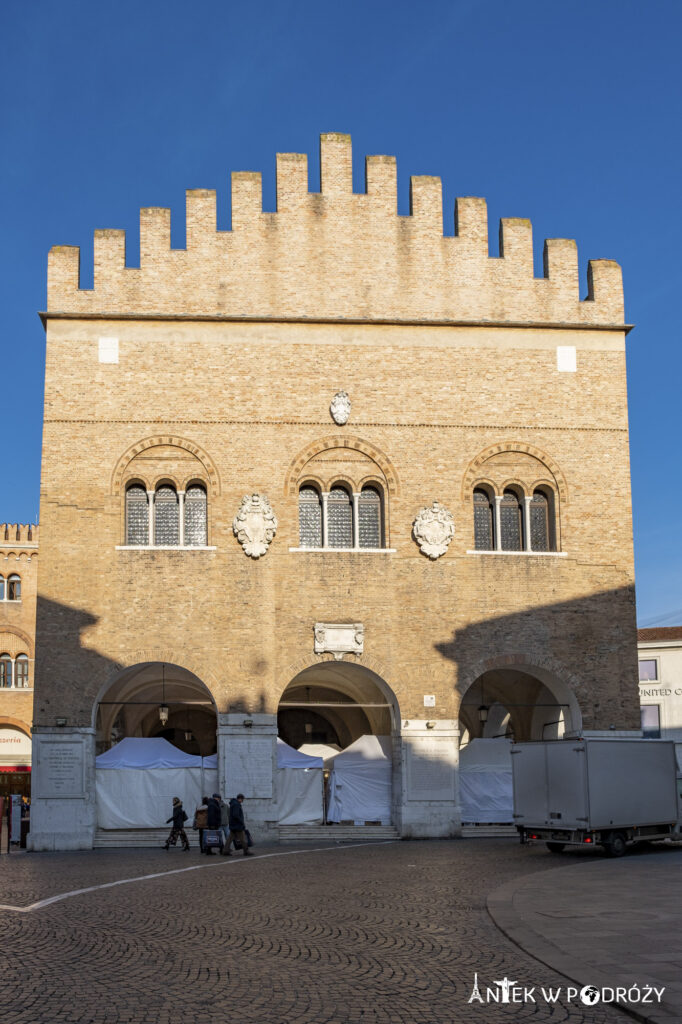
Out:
{"x": 485, "y": 782}
{"x": 360, "y": 782}
{"x": 299, "y": 786}
{"x": 323, "y": 750}
{"x": 137, "y": 779}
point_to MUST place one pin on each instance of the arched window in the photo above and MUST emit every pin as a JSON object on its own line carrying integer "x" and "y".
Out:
{"x": 195, "y": 516}
{"x": 5, "y": 671}
{"x": 511, "y": 522}
{"x": 369, "y": 518}
{"x": 540, "y": 532}
{"x": 166, "y": 516}
{"x": 14, "y": 588}
{"x": 2, "y": 588}
{"x": 484, "y": 520}
{"x": 137, "y": 516}
{"x": 340, "y": 518}
{"x": 309, "y": 517}
{"x": 21, "y": 666}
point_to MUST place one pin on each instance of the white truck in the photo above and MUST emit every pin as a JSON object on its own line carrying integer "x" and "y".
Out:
{"x": 589, "y": 792}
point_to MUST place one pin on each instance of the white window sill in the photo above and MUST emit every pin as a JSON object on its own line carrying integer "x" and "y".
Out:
{"x": 162, "y": 547}
{"x": 347, "y": 551}
{"x": 523, "y": 554}
{"x": 10, "y": 600}
{"x": 16, "y": 689}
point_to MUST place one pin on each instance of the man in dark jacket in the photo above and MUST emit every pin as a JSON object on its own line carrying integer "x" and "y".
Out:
{"x": 237, "y": 826}
{"x": 213, "y": 816}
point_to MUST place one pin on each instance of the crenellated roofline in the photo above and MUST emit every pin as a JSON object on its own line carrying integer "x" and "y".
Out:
{"x": 336, "y": 256}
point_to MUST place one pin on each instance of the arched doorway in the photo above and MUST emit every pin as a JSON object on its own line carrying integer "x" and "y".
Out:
{"x": 157, "y": 699}
{"x": 504, "y": 704}
{"x": 344, "y": 707}
{"x": 521, "y": 703}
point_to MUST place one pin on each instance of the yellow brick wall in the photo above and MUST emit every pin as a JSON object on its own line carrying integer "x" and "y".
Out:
{"x": 252, "y": 400}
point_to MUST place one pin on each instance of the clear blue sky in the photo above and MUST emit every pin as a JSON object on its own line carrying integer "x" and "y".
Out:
{"x": 567, "y": 113}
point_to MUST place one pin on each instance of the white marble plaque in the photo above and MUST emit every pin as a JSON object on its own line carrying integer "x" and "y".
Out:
{"x": 339, "y": 638}
{"x": 430, "y": 772}
{"x": 248, "y": 767}
{"x": 61, "y": 770}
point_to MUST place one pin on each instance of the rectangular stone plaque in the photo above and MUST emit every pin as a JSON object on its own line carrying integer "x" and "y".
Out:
{"x": 339, "y": 638}
{"x": 61, "y": 769}
{"x": 248, "y": 767}
{"x": 430, "y": 772}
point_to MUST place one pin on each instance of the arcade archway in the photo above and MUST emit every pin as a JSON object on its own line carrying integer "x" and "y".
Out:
{"x": 346, "y": 714}
{"x": 157, "y": 699}
{"x": 520, "y": 703}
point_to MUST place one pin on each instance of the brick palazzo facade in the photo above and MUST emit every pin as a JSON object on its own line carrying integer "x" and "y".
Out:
{"x": 329, "y": 473}
{"x": 18, "y": 591}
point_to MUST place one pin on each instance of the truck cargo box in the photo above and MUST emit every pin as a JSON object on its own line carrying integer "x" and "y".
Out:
{"x": 596, "y": 784}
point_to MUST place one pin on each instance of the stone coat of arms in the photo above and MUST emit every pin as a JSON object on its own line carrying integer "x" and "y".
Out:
{"x": 433, "y": 529}
{"x": 255, "y": 524}
{"x": 340, "y": 408}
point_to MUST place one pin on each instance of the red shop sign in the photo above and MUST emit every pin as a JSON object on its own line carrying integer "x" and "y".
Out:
{"x": 16, "y": 768}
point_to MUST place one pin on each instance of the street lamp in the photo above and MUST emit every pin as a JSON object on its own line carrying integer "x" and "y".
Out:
{"x": 163, "y": 709}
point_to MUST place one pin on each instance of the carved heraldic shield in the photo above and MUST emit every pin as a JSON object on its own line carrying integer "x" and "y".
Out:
{"x": 340, "y": 407}
{"x": 433, "y": 530}
{"x": 255, "y": 524}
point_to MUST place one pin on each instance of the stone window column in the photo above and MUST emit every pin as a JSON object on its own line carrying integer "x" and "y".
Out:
{"x": 356, "y": 519}
{"x": 526, "y": 523}
{"x": 181, "y": 513}
{"x": 498, "y": 522}
{"x": 325, "y": 518}
{"x": 150, "y": 496}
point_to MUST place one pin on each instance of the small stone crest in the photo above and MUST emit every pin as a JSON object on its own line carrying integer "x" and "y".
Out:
{"x": 255, "y": 524}
{"x": 433, "y": 529}
{"x": 340, "y": 408}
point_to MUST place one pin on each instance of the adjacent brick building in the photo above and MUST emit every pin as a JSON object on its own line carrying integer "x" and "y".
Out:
{"x": 18, "y": 592}
{"x": 442, "y": 439}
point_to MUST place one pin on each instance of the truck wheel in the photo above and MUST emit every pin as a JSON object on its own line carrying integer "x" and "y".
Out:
{"x": 615, "y": 846}
{"x": 555, "y": 847}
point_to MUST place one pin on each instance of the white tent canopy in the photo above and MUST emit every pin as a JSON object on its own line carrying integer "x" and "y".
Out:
{"x": 137, "y": 779}
{"x": 299, "y": 785}
{"x": 148, "y": 752}
{"x": 326, "y": 751}
{"x": 485, "y": 781}
{"x": 360, "y": 781}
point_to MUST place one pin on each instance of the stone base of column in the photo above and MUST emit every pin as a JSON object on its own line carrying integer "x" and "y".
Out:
{"x": 63, "y": 798}
{"x": 247, "y": 761}
{"x": 429, "y": 803}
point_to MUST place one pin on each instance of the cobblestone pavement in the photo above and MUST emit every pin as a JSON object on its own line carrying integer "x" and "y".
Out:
{"x": 378, "y": 934}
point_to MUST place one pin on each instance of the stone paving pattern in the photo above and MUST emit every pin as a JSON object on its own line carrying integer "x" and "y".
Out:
{"x": 379, "y": 934}
{"x": 606, "y": 922}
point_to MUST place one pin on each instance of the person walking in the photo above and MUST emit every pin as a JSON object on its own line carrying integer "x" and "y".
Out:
{"x": 201, "y": 821}
{"x": 224, "y": 822}
{"x": 213, "y": 818}
{"x": 237, "y": 826}
{"x": 178, "y": 817}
